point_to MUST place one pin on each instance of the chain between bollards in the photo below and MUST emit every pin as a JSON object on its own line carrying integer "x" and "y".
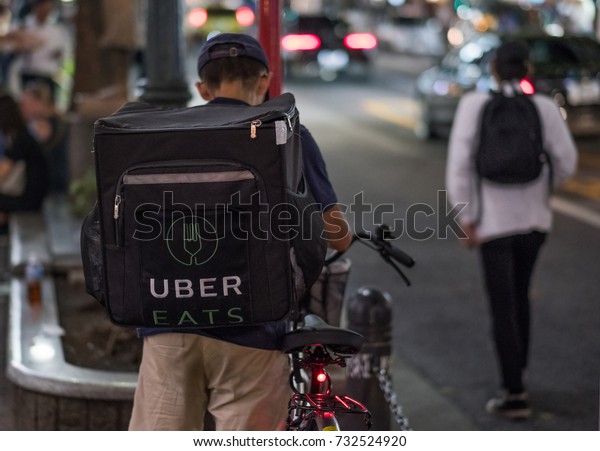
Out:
{"x": 385, "y": 384}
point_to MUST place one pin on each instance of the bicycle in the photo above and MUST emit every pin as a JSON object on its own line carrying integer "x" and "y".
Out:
{"x": 313, "y": 345}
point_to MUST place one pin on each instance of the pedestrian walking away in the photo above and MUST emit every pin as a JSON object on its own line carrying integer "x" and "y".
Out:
{"x": 507, "y": 151}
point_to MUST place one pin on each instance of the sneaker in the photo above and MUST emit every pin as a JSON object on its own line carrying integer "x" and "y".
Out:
{"x": 510, "y": 406}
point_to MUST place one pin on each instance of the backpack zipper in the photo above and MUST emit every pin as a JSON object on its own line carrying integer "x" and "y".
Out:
{"x": 253, "y": 126}
{"x": 116, "y": 212}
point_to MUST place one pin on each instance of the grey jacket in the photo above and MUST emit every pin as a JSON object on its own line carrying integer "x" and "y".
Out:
{"x": 507, "y": 209}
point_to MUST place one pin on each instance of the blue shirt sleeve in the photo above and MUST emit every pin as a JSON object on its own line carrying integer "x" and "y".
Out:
{"x": 315, "y": 171}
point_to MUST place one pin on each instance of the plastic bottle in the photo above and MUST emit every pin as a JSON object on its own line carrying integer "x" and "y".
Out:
{"x": 34, "y": 272}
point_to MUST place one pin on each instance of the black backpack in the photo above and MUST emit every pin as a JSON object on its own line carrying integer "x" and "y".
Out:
{"x": 510, "y": 146}
{"x": 203, "y": 217}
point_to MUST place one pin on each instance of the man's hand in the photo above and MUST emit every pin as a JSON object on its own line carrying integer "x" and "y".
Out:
{"x": 472, "y": 240}
{"x": 337, "y": 230}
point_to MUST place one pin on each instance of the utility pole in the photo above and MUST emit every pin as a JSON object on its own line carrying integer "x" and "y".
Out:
{"x": 165, "y": 61}
{"x": 269, "y": 35}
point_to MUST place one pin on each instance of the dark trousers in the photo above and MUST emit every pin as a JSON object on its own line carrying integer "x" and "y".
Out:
{"x": 507, "y": 266}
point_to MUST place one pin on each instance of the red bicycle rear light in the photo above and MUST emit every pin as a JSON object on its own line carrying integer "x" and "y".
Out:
{"x": 321, "y": 377}
{"x": 360, "y": 41}
{"x": 245, "y": 16}
{"x": 197, "y": 17}
{"x": 526, "y": 86}
{"x": 298, "y": 42}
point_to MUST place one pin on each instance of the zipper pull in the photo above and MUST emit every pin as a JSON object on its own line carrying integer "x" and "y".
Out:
{"x": 253, "y": 126}
{"x": 117, "y": 203}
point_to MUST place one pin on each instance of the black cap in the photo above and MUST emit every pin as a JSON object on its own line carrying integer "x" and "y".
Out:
{"x": 231, "y": 45}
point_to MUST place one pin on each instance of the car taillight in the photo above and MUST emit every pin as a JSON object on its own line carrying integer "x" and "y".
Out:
{"x": 360, "y": 41}
{"x": 245, "y": 16}
{"x": 197, "y": 17}
{"x": 526, "y": 86}
{"x": 296, "y": 42}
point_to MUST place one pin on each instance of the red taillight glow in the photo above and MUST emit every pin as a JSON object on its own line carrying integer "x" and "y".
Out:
{"x": 197, "y": 17}
{"x": 360, "y": 41}
{"x": 245, "y": 16}
{"x": 526, "y": 86}
{"x": 321, "y": 377}
{"x": 296, "y": 42}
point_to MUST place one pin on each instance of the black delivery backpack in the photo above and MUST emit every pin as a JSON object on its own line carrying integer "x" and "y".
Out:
{"x": 203, "y": 217}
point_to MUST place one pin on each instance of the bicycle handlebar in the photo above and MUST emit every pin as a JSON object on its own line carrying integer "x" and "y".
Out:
{"x": 379, "y": 241}
{"x": 385, "y": 247}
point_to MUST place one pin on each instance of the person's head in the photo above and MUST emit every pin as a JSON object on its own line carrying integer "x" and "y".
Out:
{"x": 42, "y": 8}
{"x": 235, "y": 66}
{"x": 512, "y": 61}
{"x": 36, "y": 101}
{"x": 11, "y": 120}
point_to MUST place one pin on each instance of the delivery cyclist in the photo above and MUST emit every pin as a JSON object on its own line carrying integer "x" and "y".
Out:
{"x": 237, "y": 374}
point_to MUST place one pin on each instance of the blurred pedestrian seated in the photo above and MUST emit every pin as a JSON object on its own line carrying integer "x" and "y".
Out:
{"x": 6, "y": 54}
{"x": 23, "y": 168}
{"x": 50, "y": 129}
{"x": 43, "y": 56}
{"x": 37, "y": 47}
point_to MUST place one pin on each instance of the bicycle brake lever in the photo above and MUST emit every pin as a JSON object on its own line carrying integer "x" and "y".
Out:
{"x": 393, "y": 264}
{"x": 400, "y": 256}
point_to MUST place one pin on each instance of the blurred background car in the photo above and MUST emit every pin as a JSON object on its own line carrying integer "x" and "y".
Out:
{"x": 202, "y": 22}
{"x": 565, "y": 68}
{"x": 325, "y": 47}
{"x": 411, "y": 35}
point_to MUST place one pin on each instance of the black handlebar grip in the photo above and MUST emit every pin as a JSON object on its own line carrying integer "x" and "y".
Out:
{"x": 400, "y": 256}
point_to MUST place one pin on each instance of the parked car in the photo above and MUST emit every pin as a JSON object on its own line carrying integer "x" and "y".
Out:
{"x": 565, "y": 68}
{"x": 412, "y": 35}
{"x": 320, "y": 46}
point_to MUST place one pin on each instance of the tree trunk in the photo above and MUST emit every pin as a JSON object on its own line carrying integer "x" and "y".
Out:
{"x": 90, "y": 65}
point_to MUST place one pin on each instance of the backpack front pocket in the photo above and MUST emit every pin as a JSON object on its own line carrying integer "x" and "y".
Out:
{"x": 186, "y": 228}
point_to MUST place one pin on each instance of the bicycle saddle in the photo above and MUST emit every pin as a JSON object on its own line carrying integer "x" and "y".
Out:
{"x": 315, "y": 331}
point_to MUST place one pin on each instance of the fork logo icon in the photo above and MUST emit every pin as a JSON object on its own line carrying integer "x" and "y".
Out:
{"x": 192, "y": 240}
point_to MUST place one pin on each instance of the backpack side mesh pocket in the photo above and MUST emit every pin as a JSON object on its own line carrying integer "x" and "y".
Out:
{"x": 91, "y": 256}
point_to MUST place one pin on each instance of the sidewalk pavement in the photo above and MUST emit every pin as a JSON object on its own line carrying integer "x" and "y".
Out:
{"x": 425, "y": 408}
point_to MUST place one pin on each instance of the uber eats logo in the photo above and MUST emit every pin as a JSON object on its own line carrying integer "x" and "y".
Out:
{"x": 192, "y": 240}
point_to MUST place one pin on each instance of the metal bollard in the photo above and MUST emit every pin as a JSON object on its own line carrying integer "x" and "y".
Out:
{"x": 369, "y": 313}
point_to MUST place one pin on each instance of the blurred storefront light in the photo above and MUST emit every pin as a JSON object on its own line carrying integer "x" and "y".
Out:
{"x": 455, "y": 37}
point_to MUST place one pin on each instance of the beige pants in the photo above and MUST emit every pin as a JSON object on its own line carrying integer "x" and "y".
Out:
{"x": 184, "y": 375}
